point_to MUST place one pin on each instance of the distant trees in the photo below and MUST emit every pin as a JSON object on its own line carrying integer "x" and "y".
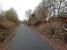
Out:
{"x": 33, "y": 20}
{"x": 24, "y": 22}
{"x": 28, "y": 13}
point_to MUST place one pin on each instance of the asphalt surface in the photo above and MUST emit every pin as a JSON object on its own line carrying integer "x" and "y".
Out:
{"x": 26, "y": 39}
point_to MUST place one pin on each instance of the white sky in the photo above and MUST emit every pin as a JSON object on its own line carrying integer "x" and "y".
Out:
{"x": 20, "y": 6}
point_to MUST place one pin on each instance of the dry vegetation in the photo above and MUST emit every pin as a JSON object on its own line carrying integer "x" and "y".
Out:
{"x": 7, "y": 26}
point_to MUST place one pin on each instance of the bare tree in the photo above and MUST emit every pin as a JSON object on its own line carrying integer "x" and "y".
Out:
{"x": 28, "y": 13}
{"x": 49, "y": 8}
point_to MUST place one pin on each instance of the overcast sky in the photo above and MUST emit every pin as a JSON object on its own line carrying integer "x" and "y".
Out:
{"x": 20, "y": 6}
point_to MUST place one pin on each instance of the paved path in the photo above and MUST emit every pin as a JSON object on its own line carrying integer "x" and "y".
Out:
{"x": 25, "y": 39}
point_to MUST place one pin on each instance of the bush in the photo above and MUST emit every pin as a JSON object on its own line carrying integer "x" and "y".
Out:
{"x": 2, "y": 36}
{"x": 65, "y": 38}
{"x": 51, "y": 31}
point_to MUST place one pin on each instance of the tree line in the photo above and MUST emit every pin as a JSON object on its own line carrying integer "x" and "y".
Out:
{"x": 49, "y": 8}
{"x": 9, "y": 15}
